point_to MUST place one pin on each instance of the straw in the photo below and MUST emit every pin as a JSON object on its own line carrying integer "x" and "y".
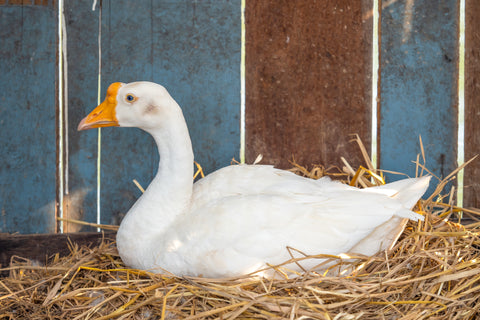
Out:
{"x": 432, "y": 272}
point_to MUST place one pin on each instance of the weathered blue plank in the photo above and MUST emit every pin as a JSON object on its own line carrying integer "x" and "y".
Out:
{"x": 82, "y": 55}
{"x": 190, "y": 47}
{"x": 418, "y": 85}
{"x": 197, "y": 46}
{"x": 27, "y": 118}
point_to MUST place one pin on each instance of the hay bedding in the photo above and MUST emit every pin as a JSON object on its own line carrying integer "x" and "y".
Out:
{"x": 433, "y": 272}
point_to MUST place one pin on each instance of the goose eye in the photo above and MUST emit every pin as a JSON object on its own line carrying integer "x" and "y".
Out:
{"x": 130, "y": 98}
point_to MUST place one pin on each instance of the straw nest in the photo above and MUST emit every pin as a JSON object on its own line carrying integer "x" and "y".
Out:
{"x": 432, "y": 272}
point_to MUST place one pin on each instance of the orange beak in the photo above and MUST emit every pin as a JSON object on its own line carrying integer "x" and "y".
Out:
{"x": 104, "y": 114}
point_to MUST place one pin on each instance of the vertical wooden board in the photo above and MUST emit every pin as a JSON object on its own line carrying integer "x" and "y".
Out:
{"x": 27, "y": 118}
{"x": 472, "y": 103}
{"x": 418, "y": 86}
{"x": 82, "y": 56}
{"x": 191, "y": 48}
{"x": 308, "y": 73}
{"x": 197, "y": 48}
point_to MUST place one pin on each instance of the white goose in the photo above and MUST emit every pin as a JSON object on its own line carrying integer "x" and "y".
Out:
{"x": 241, "y": 218}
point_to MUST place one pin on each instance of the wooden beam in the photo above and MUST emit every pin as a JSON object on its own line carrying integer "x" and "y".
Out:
{"x": 472, "y": 103}
{"x": 307, "y": 80}
{"x": 39, "y": 247}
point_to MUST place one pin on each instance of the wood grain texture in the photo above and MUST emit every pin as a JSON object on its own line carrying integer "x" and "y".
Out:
{"x": 472, "y": 103}
{"x": 307, "y": 80}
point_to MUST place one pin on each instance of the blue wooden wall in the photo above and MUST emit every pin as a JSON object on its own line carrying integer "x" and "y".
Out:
{"x": 193, "y": 49}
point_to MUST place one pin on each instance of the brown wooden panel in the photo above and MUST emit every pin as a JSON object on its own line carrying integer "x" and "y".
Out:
{"x": 40, "y": 247}
{"x": 307, "y": 80}
{"x": 472, "y": 103}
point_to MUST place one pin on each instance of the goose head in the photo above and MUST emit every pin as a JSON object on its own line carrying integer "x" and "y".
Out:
{"x": 144, "y": 105}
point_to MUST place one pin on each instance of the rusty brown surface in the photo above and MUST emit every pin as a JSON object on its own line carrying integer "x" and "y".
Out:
{"x": 472, "y": 103}
{"x": 307, "y": 80}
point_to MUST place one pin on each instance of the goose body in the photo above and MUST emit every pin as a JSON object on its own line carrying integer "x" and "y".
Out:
{"x": 240, "y": 218}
